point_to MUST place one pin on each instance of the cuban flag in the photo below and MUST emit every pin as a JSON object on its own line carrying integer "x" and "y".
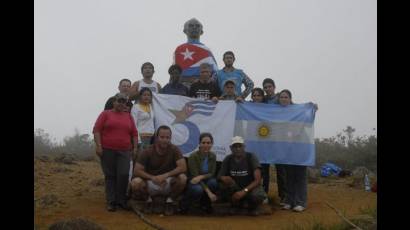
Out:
{"x": 190, "y": 55}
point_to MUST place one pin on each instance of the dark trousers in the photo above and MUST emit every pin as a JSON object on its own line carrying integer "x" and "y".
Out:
{"x": 195, "y": 193}
{"x": 116, "y": 166}
{"x": 254, "y": 198}
{"x": 281, "y": 181}
{"x": 296, "y": 184}
{"x": 265, "y": 177}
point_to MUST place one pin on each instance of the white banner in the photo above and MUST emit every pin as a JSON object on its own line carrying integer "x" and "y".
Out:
{"x": 188, "y": 117}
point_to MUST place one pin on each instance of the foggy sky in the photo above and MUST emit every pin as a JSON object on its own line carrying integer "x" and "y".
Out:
{"x": 324, "y": 51}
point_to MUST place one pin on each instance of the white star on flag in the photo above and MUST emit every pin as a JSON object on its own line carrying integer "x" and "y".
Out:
{"x": 187, "y": 54}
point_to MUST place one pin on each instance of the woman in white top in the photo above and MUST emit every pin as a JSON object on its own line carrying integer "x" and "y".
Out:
{"x": 144, "y": 118}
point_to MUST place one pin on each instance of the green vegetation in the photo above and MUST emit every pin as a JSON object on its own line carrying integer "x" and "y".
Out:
{"x": 78, "y": 144}
{"x": 348, "y": 151}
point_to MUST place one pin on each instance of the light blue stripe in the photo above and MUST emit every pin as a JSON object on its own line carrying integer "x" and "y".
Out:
{"x": 282, "y": 152}
{"x": 203, "y": 113}
{"x": 275, "y": 112}
{"x": 204, "y": 107}
{"x": 209, "y": 103}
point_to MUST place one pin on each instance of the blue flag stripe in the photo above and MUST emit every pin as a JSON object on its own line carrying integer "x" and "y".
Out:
{"x": 204, "y": 107}
{"x": 282, "y": 152}
{"x": 209, "y": 103}
{"x": 201, "y": 112}
{"x": 274, "y": 112}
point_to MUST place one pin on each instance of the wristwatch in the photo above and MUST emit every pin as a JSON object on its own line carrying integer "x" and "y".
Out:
{"x": 246, "y": 190}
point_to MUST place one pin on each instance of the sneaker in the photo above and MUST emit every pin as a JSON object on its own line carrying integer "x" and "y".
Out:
{"x": 298, "y": 208}
{"x": 286, "y": 207}
{"x": 265, "y": 201}
{"x": 111, "y": 207}
{"x": 124, "y": 206}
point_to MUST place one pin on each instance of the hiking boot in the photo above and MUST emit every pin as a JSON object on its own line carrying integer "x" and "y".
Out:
{"x": 254, "y": 212}
{"x": 207, "y": 209}
{"x": 124, "y": 206}
{"x": 299, "y": 208}
{"x": 111, "y": 207}
{"x": 286, "y": 207}
{"x": 148, "y": 208}
{"x": 169, "y": 209}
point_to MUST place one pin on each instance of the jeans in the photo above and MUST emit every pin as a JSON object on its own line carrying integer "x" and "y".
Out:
{"x": 195, "y": 194}
{"x": 116, "y": 166}
{"x": 265, "y": 177}
{"x": 281, "y": 181}
{"x": 296, "y": 183}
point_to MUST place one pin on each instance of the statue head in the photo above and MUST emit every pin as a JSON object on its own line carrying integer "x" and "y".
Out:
{"x": 193, "y": 28}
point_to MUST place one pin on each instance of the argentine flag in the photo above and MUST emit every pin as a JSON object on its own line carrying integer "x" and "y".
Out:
{"x": 277, "y": 134}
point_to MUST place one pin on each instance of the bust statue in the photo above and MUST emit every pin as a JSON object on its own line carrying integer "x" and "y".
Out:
{"x": 192, "y": 53}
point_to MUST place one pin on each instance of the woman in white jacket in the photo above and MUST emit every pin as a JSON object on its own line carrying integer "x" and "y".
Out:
{"x": 144, "y": 118}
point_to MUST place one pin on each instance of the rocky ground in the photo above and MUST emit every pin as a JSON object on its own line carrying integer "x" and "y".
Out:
{"x": 67, "y": 188}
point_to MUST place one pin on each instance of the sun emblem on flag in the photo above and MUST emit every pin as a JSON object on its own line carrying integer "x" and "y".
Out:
{"x": 263, "y": 130}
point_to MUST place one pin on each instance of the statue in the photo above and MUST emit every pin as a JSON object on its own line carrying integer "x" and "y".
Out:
{"x": 191, "y": 54}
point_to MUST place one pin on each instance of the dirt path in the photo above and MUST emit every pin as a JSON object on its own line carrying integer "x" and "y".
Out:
{"x": 66, "y": 191}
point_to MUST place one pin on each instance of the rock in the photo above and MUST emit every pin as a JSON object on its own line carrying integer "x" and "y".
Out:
{"x": 48, "y": 200}
{"x": 61, "y": 170}
{"x": 75, "y": 224}
{"x": 43, "y": 158}
{"x": 66, "y": 159}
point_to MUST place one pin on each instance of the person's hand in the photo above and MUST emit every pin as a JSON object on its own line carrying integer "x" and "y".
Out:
{"x": 239, "y": 99}
{"x": 238, "y": 195}
{"x": 98, "y": 150}
{"x": 212, "y": 196}
{"x": 159, "y": 180}
{"x": 227, "y": 180}
{"x": 196, "y": 180}
{"x": 215, "y": 99}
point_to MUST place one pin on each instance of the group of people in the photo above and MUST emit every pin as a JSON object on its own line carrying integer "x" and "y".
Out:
{"x": 140, "y": 162}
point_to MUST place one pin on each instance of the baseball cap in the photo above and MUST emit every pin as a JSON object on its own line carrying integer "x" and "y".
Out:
{"x": 237, "y": 140}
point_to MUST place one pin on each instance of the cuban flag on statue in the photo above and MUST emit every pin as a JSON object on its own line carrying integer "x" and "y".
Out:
{"x": 190, "y": 55}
